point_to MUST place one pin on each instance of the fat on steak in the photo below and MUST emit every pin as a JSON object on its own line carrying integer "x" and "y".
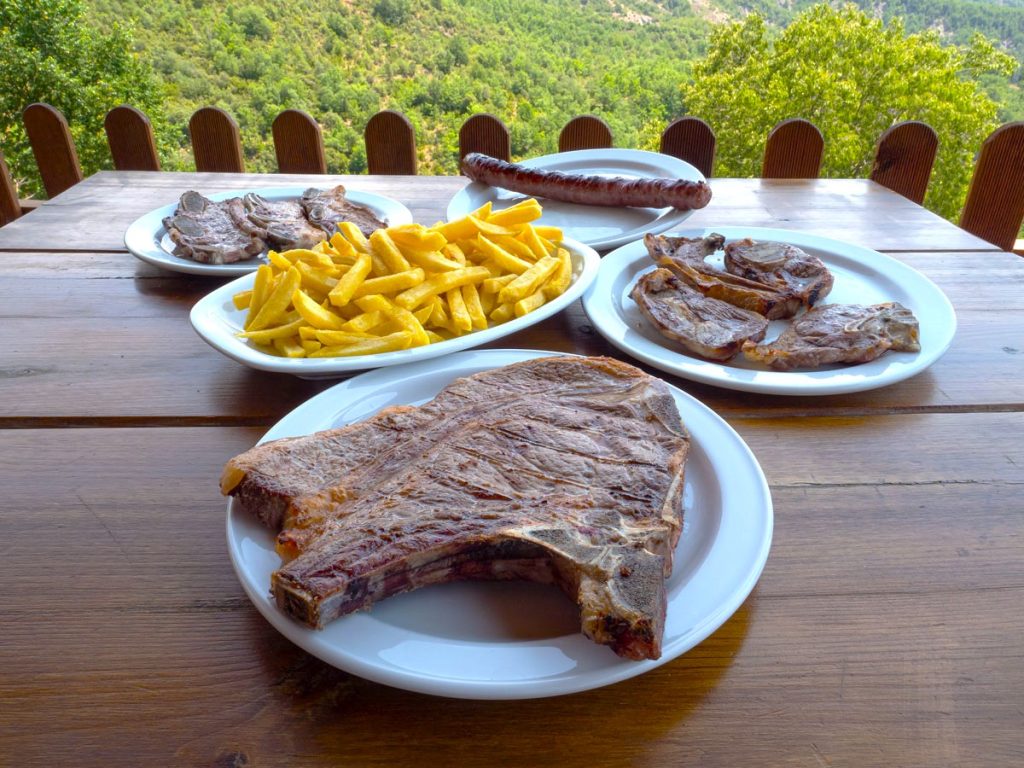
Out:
{"x": 212, "y": 233}
{"x": 781, "y": 266}
{"x": 282, "y": 223}
{"x": 704, "y": 325}
{"x": 326, "y": 208}
{"x": 563, "y": 470}
{"x": 839, "y": 333}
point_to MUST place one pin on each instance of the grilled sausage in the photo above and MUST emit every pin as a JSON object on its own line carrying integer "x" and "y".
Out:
{"x": 587, "y": 189}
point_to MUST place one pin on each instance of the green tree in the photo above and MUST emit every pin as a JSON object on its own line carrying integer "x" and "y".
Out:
{"x": 50, "y": 54}
{"x": 853, "y": 77}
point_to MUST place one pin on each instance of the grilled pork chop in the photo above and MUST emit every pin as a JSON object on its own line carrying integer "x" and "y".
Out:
{"x": 780, "y": 266}
{"x": 759, "y": 290}
{"x": 212, "y": 233}
{"x": 326, "y": 208}
{"x": 839, "y": 333}
{"x": 705, "y": 326}
{"x": 282, "y": 223}
{"x": 560, "y": 470}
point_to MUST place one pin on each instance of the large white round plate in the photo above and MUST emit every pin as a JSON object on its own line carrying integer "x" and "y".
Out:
{"x": 147, "y": 237}
{"x": 215, "y": 319}
{"x": 599, "y": 227}
{"x": 517, "y": 640}
{"x": 862, "y": 276}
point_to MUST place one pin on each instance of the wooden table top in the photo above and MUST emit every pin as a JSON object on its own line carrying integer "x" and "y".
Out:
{"x": 886, "y": 630}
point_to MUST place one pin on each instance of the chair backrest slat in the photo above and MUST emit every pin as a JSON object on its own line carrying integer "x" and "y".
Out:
{"x": 299, "y": 143}
{"x": 390, "y": 144}
{"x": 995, "y": 200}
{"x": 904, "y": 158}
{"x": 793, "y": 151}
{"x": 692, "y": 140}
{"x": 216, "y": 141}
{"x": 487, "y": 134}
{"x": 53, "y": 147}
{"x": 130, "y": 136}
{"x": 585, "y": 132}
{"x": 10, "y": 208}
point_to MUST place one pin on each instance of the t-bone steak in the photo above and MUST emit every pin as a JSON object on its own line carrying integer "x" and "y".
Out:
{"x": 212, "y": 233}
{"x": 327, "y": 208}
{"x": 560, "y": 470}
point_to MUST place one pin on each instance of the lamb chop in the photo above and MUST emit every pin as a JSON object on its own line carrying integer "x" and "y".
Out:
{"x": 212, "y": 233}
{"x": 560, "y": 470}
{"x": 282, "y": 223}
{"x": 780, "y": 266}
{"x": 839, "y": 333}
{"x": 703, "y": 325}
{"x": 684, "y": 257}
{"x": 328, "y": 208}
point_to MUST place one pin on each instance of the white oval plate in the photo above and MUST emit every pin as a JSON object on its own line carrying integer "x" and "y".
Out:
{"x": 215, "y": 319}
{"x": 597, "y": 226}
{"x": 479, "y": 640}
{"x": 862, "y": 276}
{"x": 147, "y": 237}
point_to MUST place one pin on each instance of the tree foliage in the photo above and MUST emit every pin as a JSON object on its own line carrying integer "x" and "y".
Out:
{"x": 50, "y": 55}
{"x": 853, "y": 77}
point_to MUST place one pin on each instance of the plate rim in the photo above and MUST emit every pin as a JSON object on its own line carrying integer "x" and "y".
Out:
{"x": 459, "y": 204}
{"x": 208, "y": 320}
{"x": 146, "y": 227}
{"x": 601, "y": 308}
{"x": 523, "y": 688}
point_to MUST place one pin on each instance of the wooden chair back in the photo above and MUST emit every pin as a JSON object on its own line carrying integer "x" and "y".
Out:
{"x": 390, "y": 144}
{"x": 585, "y": 132}
{"x": 487, "y": 134}
{"x": 904, "y": 158}
{"x": 995, "y": 200}
{"x": 692, "y": 140}
{"x": 793, "y": 151}
{"x": 130, "y": 136}
{"x": 216, "y": 141}
{"x": 299, "y": 143}
{"x": 10, "y": 208}
{"x": 53, "y": 147}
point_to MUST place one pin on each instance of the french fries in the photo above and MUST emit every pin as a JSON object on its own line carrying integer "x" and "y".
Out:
{"x": 404, "y": 286}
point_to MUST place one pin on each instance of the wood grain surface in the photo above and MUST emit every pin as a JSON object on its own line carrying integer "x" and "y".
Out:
{"x": 886, "y": 629}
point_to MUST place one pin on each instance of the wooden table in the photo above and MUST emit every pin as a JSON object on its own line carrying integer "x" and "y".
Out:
{"x": 886, "y": 630}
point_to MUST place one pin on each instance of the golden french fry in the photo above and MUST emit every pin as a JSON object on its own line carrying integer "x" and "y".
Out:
{"x": 417, "y": 237}
{"x": 291, "y": 326}
{"x": 364, "y": 322}
{"x": 277, "y": 302}
{"x": 279, "y": 260}
{"x": 423, "y": 313}
{"x": 403, "y": 317}
{"x": 506, "y": 260}
{"x": 455, "y": 253}
{"x": 289, "y": 347}
{"x": 521, "y": 213}
{"x": 516, "y": 247}
{"x": 471, "y": 297}
{"x": 342, "y": 247}
{"x": 502, "y": 313}
{"x": 495, "y": 284}
{"x": 389, "y": 343}
{"x": 464, "y": 228}
{"x": 382, "y": 245}
{"x": 432, "y": 260}
{"x": 553, "y": 234}
{"x": 445, "y": 281}
{"x": 391, "y": 283}
{"x": 259, "y": 292}
{"x": 457, "y": 308}
{"x": 340, "y": 338}
{"x": 530, "y": 303}
{"x": 530, "y": 238}
{"x": 317, "y": 279}
{"x": 310, "y": 345}
{"x": 487, "y": 228}
{"x": 562, "y": 277}
{"x": 314, "y": 314}
{"x": 242, "y": 300}
{"x": 342, "y": 293}
{"x": 529, "y": 281}
{"x": 355, "y": 237}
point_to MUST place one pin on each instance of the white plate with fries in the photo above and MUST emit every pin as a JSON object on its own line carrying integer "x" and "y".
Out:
{"x": 331, "y": 311}
{"x": 148, "y": 240}
{"x": 599, "y": 227}
{"x": 518, "y": 640}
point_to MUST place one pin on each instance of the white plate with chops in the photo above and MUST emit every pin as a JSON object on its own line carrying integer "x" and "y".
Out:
{"x": 510, "y": 640}
{"x": 148, "y": 240}
{"x": 216, "y": 320}
{"x": 599, "y": 227}
{"x": 862, "y": 276}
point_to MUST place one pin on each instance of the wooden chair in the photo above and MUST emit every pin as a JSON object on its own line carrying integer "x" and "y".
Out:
{"x": 487, "y": 134}
{"x": 10, "y": 208}
{"x": 299, "y": 143}
{"x": 390, "y": 144}
{"x": 904, "y": 157}
{"x": 130, "y": 136}
{"x": 793, "y": 151}
{"x": 692, "y": 140}
{"x": 53, "y": 147}
{"x": 995, "y": 200}
{"x": 216, "y": 141}
{"x": 585, "y": 132}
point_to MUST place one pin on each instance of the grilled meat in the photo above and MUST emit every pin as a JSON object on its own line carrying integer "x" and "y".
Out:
{"x": 212, "y": 233}
{"x": 782, "y": 267}
{"x": 839, "y": 333}
{"x": 561, "y": 470}
{"x": 282, "y": 223}
{"x": 328, "y": 208}
{"x": 703, "y": 325}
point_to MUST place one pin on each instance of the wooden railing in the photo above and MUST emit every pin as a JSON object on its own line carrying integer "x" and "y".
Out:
{"x": 904, "y": 154}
